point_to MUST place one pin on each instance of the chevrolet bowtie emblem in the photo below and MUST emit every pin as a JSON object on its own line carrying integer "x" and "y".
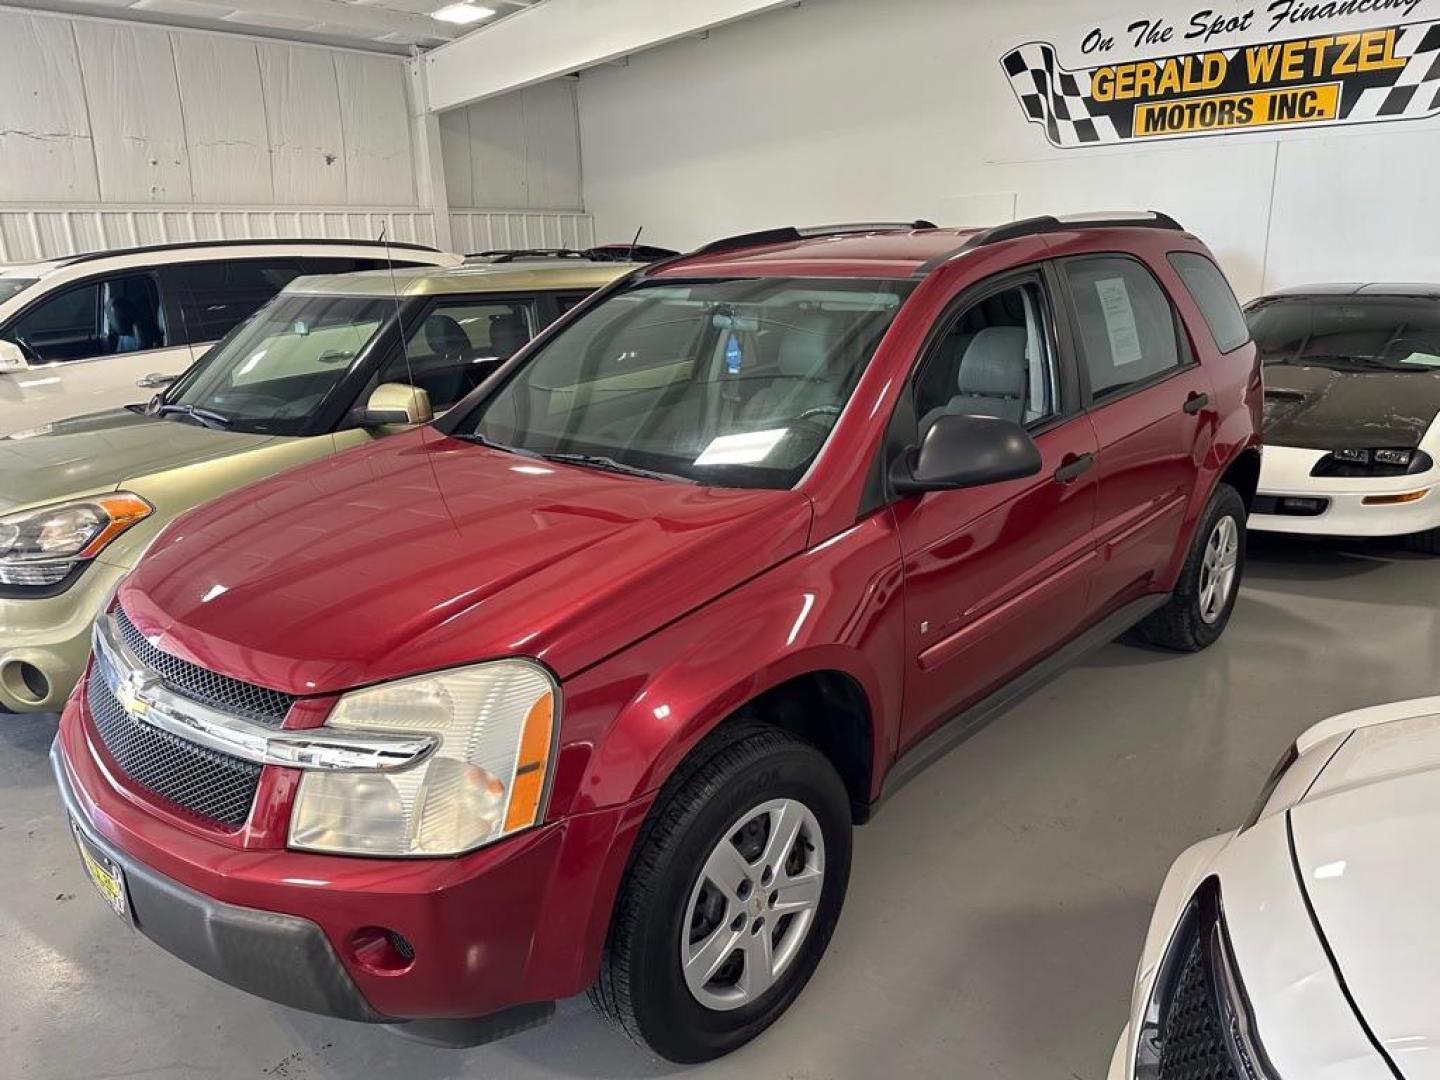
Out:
{"x": 131, "y": 694}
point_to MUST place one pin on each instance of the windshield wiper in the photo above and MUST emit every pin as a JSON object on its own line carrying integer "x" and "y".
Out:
{"x": 204, "y": 416}
{"x": 483, "y": 440}
{"x": 609, "y": 464}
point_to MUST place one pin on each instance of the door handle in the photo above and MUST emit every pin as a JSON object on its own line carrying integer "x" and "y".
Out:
{"x": 1195, "y": 402}
{"x": 1072, "y": 467}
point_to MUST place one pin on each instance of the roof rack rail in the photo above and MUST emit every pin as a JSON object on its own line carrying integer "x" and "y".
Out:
{"x": 1050, "y": 223}
{"x": 506, "y": 255}
{"x": 789, "y": 234}
{"x": 91, "y": 256}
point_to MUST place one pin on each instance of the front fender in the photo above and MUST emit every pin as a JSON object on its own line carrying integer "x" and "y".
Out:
{"x": 631, "y": 719}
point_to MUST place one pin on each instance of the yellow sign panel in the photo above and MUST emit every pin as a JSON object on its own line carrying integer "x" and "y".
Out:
{"x": 1221, "y": 112}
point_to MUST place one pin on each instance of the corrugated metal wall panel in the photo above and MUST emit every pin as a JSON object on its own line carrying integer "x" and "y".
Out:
{"x": 29, "y": 233}
{"x": 490, "y": 230}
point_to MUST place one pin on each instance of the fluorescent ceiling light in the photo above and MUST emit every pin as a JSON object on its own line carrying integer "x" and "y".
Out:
{"x": 462, "y": 13}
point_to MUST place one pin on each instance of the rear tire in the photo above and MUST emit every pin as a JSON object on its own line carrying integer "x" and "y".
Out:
{"x": 1425, "y": 543}
{"x": 731, "y": 896}
{"x": 1199, "y": 609}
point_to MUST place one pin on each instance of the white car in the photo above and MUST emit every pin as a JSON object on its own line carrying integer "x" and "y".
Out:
{"x": 1352, "y": 393}
{"x": 91, "y": 332}
{"x": 1303, "y": 946}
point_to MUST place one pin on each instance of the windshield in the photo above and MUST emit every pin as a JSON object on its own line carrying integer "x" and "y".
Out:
{"x": 1349, "y": 333}
{"x": 735, "y": 383}
{"x": 274, "y": 371}
{"x": 10, "y": 286}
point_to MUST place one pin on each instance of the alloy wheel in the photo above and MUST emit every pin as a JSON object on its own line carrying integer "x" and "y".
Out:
{"x": 1219, "y": 568}
{"x": 753, "y": 904}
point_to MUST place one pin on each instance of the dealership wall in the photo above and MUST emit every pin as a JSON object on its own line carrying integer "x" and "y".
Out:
{"x": 520, "y": 151}
{"x": 848, "y": 109}
{"x": 113, "y": 134}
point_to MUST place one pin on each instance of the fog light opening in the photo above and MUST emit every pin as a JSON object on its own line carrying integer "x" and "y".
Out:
{"x": 381, "y": 951}
{"x": 24, "y": 682}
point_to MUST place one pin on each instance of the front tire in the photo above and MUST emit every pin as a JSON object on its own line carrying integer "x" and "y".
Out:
{"x": 731, "y": 896}
{"x": 1199, "y": 609}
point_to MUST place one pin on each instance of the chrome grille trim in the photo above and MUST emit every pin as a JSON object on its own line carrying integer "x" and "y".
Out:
{"x": 148, "y": 698}
{"x": 218, "y": 691}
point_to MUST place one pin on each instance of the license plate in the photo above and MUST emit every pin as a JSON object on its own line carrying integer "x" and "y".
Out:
{"x": 106, "y": 874}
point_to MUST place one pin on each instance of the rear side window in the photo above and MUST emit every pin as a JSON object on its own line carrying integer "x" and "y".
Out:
{"x": 215, "y": 297}
{"x": 1214, "y": 297}
{"x": 1127, "y": 326}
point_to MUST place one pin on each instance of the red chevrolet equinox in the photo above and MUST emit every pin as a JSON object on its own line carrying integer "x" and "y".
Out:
{"x": 586, "y": 685}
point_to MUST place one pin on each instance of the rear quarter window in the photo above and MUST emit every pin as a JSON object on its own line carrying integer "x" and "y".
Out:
{"x": 1214, "y": 297}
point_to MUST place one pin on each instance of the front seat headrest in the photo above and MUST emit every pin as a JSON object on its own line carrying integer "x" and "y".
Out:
{"x": 446, "y": 337}
{"x": 508, "y": 333}
{"x": 995, "y": 364}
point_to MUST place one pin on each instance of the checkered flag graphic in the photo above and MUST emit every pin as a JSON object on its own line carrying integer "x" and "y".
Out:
{"x": 1055, "y": 98}
{"x": 1415, "y": 91}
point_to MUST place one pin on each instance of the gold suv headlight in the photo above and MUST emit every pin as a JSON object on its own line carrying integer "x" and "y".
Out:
{"x": 494, "y": 725}
{"x": 38, "y": 548}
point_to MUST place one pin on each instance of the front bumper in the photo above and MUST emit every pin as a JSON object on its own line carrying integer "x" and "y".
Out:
{"x": 1285, "y": 473}
{"x": 279, "y": 957}
{"x": 500, "y": 933}
{"x": 52, "y": 636}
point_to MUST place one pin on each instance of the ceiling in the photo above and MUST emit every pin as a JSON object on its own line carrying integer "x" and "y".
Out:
{"x": 398, "y": 26}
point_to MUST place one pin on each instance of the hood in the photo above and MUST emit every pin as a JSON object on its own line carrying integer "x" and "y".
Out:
{"x": 100, "y": 451}
{"x": 1318, "y": 408}
{"x": 1365, "y": 846}
{"x": 425, "y": 552}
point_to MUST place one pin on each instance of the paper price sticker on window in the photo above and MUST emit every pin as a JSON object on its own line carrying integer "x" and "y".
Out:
{"x": 1119, "y": 320}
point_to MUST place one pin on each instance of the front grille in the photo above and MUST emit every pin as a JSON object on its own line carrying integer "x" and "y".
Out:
{"x": 211, "y": 785}
{"x": 238, "y": 698}
{"x": 1194, "y": 1046}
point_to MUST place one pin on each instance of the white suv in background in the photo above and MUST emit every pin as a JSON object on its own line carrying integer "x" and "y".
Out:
{"x": 79, "y": 334}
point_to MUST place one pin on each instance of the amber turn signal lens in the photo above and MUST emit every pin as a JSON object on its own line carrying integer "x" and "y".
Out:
{"x": 1394, "y": 500}
{"x": 529, "y": 784}
{"x": 124, "y": 510}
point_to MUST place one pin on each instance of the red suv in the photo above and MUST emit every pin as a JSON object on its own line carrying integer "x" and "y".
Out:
{"x": 587, "y": 684}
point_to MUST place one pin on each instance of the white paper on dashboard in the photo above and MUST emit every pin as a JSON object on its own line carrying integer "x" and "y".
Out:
{"x": 744, "y": 448}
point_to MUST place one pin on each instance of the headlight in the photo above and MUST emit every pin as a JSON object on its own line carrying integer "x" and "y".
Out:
{"x": 495, "y": 727}
{"x": 1383, "y": 461}
{"x": 40, "y": 547}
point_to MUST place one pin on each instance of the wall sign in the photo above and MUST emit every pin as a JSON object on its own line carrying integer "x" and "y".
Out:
{"x": 1247, "y": 71}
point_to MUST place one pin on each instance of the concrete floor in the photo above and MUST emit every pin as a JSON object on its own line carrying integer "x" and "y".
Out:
{"x": 995, "y": 913}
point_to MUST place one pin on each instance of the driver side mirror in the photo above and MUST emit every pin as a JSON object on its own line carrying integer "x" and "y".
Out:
{"x": 966, "y": 451}
{"x": 12, "y": 358}
{"x": 395, "y": 403}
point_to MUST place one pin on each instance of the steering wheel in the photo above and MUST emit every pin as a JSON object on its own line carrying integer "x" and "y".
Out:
{"x": 26, "y": 348}
{"x": 819, "y": 410}
{"x": 1402, "y": 347}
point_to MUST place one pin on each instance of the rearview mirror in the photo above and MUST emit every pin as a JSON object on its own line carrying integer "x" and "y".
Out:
{"x": 396, "y": 403}
{"x": 156, "y": 380}
{"x": 12, "y": 357}
{"x": 966, "y": 451}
